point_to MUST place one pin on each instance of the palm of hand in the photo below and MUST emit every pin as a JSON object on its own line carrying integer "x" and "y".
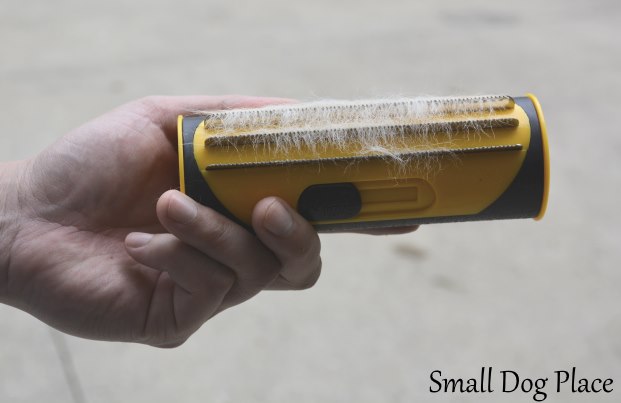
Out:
{"x": 84, "y": 195}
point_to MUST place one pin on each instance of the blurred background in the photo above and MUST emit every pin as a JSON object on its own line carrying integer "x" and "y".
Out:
{"x": 533, "y": 297}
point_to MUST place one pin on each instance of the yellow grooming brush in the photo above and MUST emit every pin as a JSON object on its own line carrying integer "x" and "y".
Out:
{"x": 372, "y": 164}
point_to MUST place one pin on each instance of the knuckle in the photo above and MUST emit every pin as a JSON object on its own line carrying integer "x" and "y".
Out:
{"x": 311, "y": 279}
{"x": 163, "y": 245}
{"x": 148, "y": 102}
{"x": 229, "y": 102}
{"x": 310, "y": 249}
{"x": 149, "y": 105}
{"x": 215, "y": 232}
{"x": 314, "y": 276}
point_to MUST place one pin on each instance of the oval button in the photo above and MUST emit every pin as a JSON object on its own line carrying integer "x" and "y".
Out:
{"x": 330, "y": 201}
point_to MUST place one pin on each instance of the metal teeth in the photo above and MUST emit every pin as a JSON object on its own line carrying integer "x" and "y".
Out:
{"x": 495, "y": 102}
{"x": 401, "y": 156}
{"x": 265, "y": 137}
{"x": 272, "y": 115}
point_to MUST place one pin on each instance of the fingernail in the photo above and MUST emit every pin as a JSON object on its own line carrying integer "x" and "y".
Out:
{"x": 137, "y": 239}
{"x": 278, "y": 219}
{"x": 182, "y": 209}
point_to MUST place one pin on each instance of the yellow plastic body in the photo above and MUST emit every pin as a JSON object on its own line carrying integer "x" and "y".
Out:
{"x": 546, "y": 156}
{"x": 444, "y": 186}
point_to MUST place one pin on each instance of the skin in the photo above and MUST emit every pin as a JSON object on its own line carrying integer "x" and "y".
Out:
{"x": 94, "y": 242}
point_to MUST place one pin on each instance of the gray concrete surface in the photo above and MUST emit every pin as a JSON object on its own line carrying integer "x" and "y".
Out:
{"x": 532, "y": 297}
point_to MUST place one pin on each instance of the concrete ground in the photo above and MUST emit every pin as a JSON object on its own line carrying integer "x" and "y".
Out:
{"x": 533, "y": 297}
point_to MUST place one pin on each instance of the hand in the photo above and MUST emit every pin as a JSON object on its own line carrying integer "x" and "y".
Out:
{"x": 77, "y": 263}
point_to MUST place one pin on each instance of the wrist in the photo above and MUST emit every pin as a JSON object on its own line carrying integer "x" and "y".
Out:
{"x": 9, "y": 219}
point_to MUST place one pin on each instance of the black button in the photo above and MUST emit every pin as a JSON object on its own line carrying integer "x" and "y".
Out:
{"x": 333, "y": 201}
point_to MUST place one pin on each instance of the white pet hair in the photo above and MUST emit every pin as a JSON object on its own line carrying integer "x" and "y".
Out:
{"x": 369, "y": 127}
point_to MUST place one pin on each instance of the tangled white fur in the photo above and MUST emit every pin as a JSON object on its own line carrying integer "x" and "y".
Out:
{"x": 403, "y": 130}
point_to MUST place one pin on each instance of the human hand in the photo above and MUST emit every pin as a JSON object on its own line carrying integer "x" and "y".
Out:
{"x": 73, "y": 265}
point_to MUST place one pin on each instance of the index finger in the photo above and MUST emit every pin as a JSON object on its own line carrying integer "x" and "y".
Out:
{"x": 293, "y": 241}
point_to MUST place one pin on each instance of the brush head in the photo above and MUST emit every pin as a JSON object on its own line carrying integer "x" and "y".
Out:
{"x": 401, "y": 131}
{"x": 390, "y": 161}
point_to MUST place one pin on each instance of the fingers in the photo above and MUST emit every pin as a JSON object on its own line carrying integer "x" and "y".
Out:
{"x": 292, "y": 239}
{"x": 216, "y": 263}
{"x": 163, "y": 110}
{"x": 202, "y": 283}
{"x": 223, "y": 241}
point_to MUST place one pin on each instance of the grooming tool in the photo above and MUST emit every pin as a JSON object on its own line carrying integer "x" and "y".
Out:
{"x": 352, "y": 165}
